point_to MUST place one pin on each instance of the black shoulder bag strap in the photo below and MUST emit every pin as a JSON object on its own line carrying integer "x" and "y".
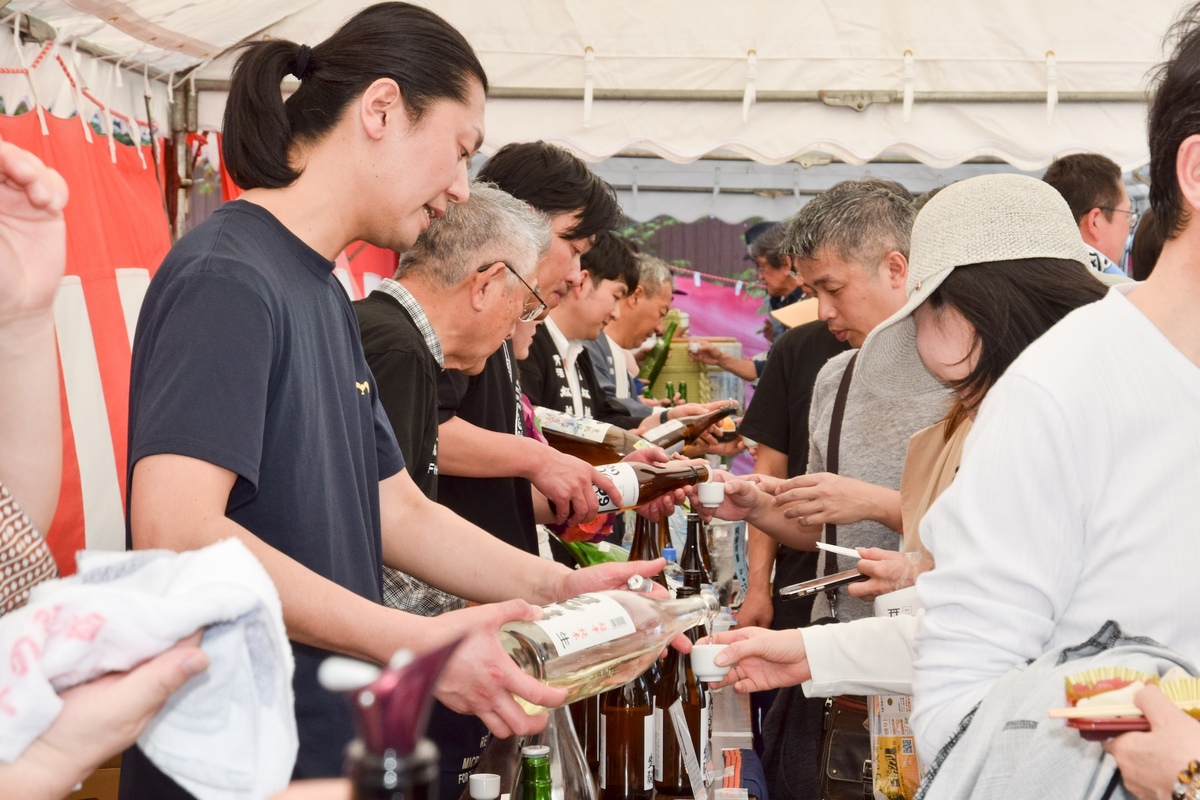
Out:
{"x": 831, "y": 465}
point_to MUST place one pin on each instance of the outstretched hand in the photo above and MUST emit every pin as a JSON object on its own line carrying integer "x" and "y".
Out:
{"x": 761, "y": 659}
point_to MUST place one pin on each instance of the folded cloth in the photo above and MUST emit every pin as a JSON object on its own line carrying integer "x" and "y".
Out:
{"x": 744, "y": 770}
{"x": 230, "y": 732}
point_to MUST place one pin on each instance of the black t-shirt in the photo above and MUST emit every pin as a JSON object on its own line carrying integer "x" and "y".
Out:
{"x": 501, "y": 506}
{"x": 544, "y": 381}
{"x": 247, "y": 356}
{"x": 407, "y": 374}
{"x": 778, "y": 417}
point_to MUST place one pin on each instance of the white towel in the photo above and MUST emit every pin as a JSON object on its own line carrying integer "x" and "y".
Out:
{"x": 230, "y": 732}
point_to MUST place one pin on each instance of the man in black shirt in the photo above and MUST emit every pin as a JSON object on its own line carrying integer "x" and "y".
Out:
{"x": 454, "y": 299}
{"x": 485, "y": 471}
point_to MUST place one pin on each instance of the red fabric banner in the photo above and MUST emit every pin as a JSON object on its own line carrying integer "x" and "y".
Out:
{"x": 117, "y": 233}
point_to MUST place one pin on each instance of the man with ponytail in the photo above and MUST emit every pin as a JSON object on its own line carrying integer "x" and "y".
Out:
{"x": 253, "y": 413}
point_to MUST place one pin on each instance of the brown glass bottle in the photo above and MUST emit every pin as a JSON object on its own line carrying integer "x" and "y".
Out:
{"x": 641, "y": 483}
{"x": 664, "y": 533}
{"x": 595, "y": 442}
{"x": 645, "y": 545}
{"x": 686, "y": 430}
{"x": 627, "y": 741}
{"x": 387, "y": 776}
{"x": 692, "y": 560}
{"x": 586, "y": 716}
{"x": 679, "y": 683}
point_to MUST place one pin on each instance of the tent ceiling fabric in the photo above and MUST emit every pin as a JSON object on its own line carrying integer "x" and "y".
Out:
{"x": 534, "y": 48}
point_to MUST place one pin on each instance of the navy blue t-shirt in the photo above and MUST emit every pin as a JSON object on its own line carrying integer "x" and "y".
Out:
{"x": 247, "y": 356}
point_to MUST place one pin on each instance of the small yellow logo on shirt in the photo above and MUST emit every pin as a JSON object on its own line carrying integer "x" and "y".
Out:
{"x": 362, "y": 386}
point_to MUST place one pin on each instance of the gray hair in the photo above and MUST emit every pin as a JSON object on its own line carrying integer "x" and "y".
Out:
{"x": 491, "y": 226}
{"x": 770, "y": 245}
{"x": 860, "y": 221}
{"x": 653, "y": 273}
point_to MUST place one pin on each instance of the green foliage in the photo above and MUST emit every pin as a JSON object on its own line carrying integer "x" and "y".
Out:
{"x": 640, "y": 233}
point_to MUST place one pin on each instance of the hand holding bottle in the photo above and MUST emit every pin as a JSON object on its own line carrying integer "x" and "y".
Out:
{"x": 481, "y": 679}
{"x": 567, "y": 482}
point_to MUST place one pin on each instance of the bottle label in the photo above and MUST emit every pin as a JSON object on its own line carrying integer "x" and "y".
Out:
{"x": 659, "y": 431}
{"x": 648, "y": 752}
{"x": 627, "y": 484}
{"x": 588, "y": 429}
{"x": 659, "y": 732}
{"x": 603, "y": 751}
{"x": 705, "y": 737}
{"x": 585, "y": 621}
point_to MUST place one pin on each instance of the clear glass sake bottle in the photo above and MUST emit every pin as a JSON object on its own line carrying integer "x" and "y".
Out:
{"x": 598, "y": 641}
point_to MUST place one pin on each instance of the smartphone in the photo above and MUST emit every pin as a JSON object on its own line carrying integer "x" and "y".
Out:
{"x": 819, "y": 585}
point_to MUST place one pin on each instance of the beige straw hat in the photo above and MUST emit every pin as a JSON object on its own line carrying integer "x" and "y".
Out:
{"x": 796, "y": 314}
{"x": 985, "y": 219}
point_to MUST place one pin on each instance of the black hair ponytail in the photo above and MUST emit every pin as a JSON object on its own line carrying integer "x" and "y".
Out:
{"x": 424, "y": 54}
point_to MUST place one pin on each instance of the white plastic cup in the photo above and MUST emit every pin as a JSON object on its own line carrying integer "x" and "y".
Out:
{"x": 702, "y": 662}
{"x": 711, "y": 493}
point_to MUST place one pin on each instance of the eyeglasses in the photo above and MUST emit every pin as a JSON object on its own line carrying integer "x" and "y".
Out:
{"x": 1133, "y": 215}
{"x": 533, "y": 308}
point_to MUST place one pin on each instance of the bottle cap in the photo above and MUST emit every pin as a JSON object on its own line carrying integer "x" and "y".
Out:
{"x": 535, "y": 751}
{"x": 637, "y": 583}
{"x": 668, "y": 553}
{"x": 484, "y": 786}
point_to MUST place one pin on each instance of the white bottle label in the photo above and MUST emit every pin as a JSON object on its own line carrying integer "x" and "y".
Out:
{"x": 625, "y": 478}
{"x": 588, "y": 429}
{"x": 603, "y": 751}
{"x": 585, "y": 621}
{"x": 659, "y": 431}
{"x": 659, "y": 732}
{"x": 648, "y": 752}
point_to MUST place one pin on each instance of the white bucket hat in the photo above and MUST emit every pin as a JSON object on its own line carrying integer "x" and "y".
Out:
{"x": 985, "y": 219}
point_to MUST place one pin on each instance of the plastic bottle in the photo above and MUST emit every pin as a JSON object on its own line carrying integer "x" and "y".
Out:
{"x": 672, "y": 572}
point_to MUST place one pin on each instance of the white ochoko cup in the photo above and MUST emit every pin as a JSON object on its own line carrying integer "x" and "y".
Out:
{"x": 711, "y": 494}
{"x": 702, "y": 662}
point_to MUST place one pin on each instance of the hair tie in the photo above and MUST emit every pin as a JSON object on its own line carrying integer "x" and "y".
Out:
{"x": 301, "y": 68}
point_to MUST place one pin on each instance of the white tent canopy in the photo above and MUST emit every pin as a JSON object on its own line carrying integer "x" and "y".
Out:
{"x": 939, "y": 82}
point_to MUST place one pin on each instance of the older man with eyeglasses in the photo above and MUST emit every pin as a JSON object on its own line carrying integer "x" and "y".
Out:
{"x": 1092, "y": 187}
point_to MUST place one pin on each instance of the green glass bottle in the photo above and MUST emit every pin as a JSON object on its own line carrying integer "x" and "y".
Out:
{"x": 657, "y": 356}
{"x": 535, "y": 773}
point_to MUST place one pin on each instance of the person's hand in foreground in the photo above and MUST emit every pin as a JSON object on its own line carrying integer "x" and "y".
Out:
{"x": 480, "y": 678}
{"x": 1150, "y": 762}
{"x": 316, "y": 790}
{"x": 615, "y": 575}
{"x": 761, "y": 659}
{"x": 98, "y": 720}
{"x": 889, "y": 571}
{"x": 32, "y": 233}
